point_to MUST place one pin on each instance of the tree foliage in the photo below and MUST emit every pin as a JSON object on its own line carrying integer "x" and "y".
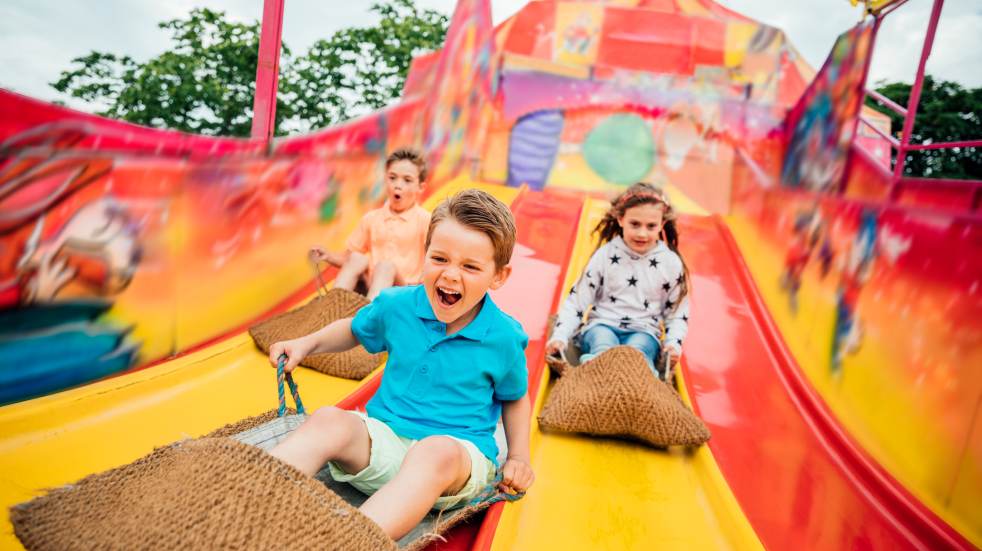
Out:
{"x": 361, "y": 69}
{"x": 947, "y": 112}
{"x": 206, "y": 82}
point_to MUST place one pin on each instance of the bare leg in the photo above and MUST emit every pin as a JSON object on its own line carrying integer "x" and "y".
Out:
{"x": 347, "y": 278}
{"x": 434, "y": 466}
{"x": 384, "y": 275}
{"x": 330, "y": 434}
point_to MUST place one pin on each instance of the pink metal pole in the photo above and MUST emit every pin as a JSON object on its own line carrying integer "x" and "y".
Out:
{"x": 945, "y": 145}
{"x": 268, "y": 71}
{"x": 893, "y": 141}
{"x": 915, "y": 97}
{"x": 889, "y": 103}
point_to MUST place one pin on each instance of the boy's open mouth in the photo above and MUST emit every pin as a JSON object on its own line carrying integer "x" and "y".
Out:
{"x": 397, "y": 196}
{"x": 447, "y": 296}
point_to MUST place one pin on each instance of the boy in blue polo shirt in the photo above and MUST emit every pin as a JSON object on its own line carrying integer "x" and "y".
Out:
{"x": 456, "y": 364}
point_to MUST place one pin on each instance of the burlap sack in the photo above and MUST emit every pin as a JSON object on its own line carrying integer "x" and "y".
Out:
{"x": 243, "y": 425}
{"x": 199, "y": 494}
{"x": 356, "y": 363}
{"x": 616, "y": 394}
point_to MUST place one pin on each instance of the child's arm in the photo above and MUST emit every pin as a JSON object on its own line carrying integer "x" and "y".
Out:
{"x": 581, "y": 297}
{"x": 676, "y": 327}
{"x": 333, "y": 337}
{"x": 320, "y": 254}
{"x": 516, "y": 473}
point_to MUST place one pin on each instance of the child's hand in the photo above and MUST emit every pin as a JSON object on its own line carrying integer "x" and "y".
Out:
{"x": 516, "y": 476}
{"x": 296, "y": 350}
{"x": 673, "y": 356}
{"x": 318, "y": 254}
{"x": 555, "y": 348}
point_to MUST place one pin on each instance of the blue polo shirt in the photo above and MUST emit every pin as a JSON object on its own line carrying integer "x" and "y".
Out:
{"x": 439, "y": 384}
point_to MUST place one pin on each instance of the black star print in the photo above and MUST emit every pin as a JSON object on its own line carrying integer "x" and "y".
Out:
{"x": 589, "y": 275}
{"x": 679, "y": 280}
{"x": 685, "y": 318}
{"x": 592, "y": 286}
{"x": 601, "y": 280}
{"x": 624, "y": 321}
{"x": 615, "y": 259}
{"x": 558, "y": 323}
{"x": 632, "y": 281}
{"x": 572, "y": 290}
{"x": 645, "y": 304}
{"x": 613, "y": 298}
{"x": 653, "y": 263}
{"x": 579, "y": 314}
{"x": 669, "y": 304}
{"x": 666, "y": 287}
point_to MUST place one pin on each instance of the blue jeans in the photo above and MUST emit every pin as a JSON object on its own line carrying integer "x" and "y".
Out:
{"x": 599, "y": 338}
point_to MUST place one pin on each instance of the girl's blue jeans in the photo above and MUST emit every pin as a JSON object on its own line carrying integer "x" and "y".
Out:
{"x": 599, "y": 338}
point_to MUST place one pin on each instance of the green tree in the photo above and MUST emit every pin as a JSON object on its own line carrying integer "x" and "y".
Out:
{"x": 206, "y": 82}
{"x": 947, "y": 112}
{"x": 203, "y": 84}
{"x": 360, "y": 69}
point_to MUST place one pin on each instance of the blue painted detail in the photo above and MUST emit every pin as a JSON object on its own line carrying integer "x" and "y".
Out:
{"x": 47, "y": 348}
{"x": 533, "y": 147}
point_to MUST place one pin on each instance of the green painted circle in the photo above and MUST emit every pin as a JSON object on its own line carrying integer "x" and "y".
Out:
{"x": 620, "y": 149}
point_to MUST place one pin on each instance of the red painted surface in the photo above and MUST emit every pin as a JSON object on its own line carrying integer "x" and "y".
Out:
{"x": 547, "y": 225}
{"x": 524, "y": 35}
{"x": 647, "y": 41}
{"x": 28, "y": 123}
{"x": 773, "y": 437}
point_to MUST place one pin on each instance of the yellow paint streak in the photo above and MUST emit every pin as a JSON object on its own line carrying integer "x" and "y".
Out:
{"x": 593, "y": 493}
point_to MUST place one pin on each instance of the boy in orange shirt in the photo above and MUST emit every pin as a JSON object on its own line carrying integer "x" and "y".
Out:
{"x": 387, "y": 247}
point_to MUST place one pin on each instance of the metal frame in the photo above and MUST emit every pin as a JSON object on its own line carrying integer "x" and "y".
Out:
{"x": 909, "y": 114}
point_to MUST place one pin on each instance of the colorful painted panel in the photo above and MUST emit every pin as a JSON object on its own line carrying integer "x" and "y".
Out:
{"x": 111, "y": 258}
{"x": 533, "y": 148}
{"x": 823, "y": 123}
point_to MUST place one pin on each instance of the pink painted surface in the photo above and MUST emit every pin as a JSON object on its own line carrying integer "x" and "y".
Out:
{"x": 268, "y": 71}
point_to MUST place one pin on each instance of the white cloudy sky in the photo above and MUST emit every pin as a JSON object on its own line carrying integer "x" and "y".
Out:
{"x": 38, "y": 38}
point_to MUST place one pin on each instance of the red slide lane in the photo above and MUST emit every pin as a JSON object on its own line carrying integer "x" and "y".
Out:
{"x": 800, "y": 479}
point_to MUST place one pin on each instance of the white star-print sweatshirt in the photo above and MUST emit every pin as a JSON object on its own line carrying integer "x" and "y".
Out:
{"x": 628, "y": 291}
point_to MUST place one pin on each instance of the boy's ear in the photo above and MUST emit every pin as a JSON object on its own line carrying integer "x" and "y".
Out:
{"x": 500, "y": 277}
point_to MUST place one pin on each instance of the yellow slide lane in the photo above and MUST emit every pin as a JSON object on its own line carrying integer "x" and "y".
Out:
{"x": 57, "y": 439}
{"x": 595, "y": 493}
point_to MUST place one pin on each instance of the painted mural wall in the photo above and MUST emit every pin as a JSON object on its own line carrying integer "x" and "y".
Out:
{"x": 121, "y": 246}
{"x": 879, "y": 303}
{"x": 599, "y": 96}
{"x": 110, "y": 258}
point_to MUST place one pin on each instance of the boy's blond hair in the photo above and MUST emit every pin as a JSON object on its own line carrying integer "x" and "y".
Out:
{"x": 411, "y": 155}
{"x": 480, "y": 211}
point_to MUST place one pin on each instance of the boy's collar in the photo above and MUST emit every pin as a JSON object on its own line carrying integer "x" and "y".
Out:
{"x": 475, "y": 330}
{"x": 389, "y": 213}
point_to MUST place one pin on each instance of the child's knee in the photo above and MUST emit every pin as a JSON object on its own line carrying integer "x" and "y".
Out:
{"x": 358, "y": 262}
{"x": 333, "y": 420}
{"x": 440, "y": 454}
{"x": 385, "y": 268}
